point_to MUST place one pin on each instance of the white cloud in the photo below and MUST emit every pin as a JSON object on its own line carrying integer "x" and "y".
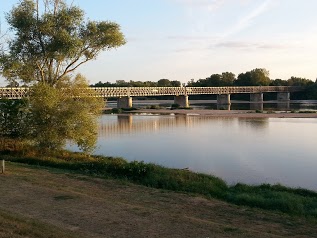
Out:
{"x": 247, "y": 20}
{"x": 252, "y": 45}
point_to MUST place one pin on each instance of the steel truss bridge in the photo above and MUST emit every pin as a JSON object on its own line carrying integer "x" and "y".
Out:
{"x": 118, "y": 92}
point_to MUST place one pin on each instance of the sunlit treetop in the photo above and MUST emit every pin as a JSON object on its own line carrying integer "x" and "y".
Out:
{"x": 52, "y": 42}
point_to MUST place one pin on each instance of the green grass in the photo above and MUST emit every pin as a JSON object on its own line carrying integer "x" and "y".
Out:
{"x": 292, "y": 201}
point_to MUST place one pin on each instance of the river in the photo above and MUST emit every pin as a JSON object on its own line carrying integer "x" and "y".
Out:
{"x": 247, "y": 150}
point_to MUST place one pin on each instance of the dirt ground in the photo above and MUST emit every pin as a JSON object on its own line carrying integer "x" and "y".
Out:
{"x": 95, "y": 207}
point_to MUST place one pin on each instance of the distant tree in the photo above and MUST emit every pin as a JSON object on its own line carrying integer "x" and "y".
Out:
{"x": 176, "y": 83}
{"x": 214, "y": 80}
{"x": 122, "y": 83}
{"x": 164, "y": 83}
{"x": 227, "y": 78}
{"x": 297, "y": 81}
{"x": 100, "y": 84}
{"x": 311, "y": 91}
{"x": 150, "y": 84}
{"x": 278, "y": 82}
{"x": 255, "y": 77}
{"x": 191, "y": 83}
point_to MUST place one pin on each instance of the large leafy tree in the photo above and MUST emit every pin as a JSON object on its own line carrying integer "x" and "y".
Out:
{"x": 48, "y": 47}
{"x": 53, "y": 43}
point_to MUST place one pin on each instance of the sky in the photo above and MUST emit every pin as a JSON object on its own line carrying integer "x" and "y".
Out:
{"x": 192, "y": 39}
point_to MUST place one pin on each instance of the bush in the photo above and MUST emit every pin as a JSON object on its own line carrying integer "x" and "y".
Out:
{"x": 175, "y": 106}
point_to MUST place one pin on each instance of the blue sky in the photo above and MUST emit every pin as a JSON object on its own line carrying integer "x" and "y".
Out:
{"x": 192, "y": 39}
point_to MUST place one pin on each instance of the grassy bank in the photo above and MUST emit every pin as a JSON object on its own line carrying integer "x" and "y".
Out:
{"x": 17, "y": 226}
{"x": 270, "y": 197}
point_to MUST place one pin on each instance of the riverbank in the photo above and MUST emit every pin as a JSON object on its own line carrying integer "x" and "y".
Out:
{"x": 293, "y": 201}
{"x": 47, "y": 202}
{"x": 226, "y": 113}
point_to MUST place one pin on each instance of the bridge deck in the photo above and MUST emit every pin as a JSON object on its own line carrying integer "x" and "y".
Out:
{"x": 106, "y": 92}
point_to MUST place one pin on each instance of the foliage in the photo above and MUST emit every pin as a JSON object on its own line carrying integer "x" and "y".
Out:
{"x": 47, "y": 48}
{"x": 215, "y": 80}
{"x": 278, "y": 82}
{"x": 53, "y": 115}
{"x": 296, "y": 81}
{"x": 131, "y": 83}
{"x": 311, "y": 91}
{"x": 255, "y": 77}
{"x": 58, "y": 114}
{"x": 175, "y": 106}
{"x": 13, "y": 116}
{"x": 168, "y": 83}
{"x": 50, "y": 45}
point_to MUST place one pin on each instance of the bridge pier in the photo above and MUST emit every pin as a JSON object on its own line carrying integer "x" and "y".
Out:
{"x": 256, "y": 106}
{"x": 182, "y": 101}
{"x": 223, "y": 99}
{"x": 256, "y": 97}
{"x": 124, "y": 102}
{"x": 283, "y": 96}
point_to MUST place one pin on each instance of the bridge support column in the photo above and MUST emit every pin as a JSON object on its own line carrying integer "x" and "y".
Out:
{"x": 283, "y": 105}
{"x": 223, "y": 99}
{"x": 182, "y": 100}
{"x": 283, "y": 96}
{"x": 256, "y": 106}
{"x": 124, "y": 102}
{"x": 256, "y": 97}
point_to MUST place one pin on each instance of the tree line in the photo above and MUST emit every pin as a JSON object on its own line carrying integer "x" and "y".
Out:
{"x": 255, "y": 77}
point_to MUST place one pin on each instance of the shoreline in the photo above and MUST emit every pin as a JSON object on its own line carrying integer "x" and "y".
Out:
{"x": 225, "y": 113}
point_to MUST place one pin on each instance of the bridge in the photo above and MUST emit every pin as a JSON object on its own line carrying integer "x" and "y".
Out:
{"x": 125, "y": 94}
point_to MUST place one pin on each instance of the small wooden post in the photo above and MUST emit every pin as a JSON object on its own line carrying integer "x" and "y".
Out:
{"x": 3, "y": 166}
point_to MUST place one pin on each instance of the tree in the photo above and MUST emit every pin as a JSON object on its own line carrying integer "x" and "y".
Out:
{"x": 278, "y": 82}
{"x": 52, "y": 44}
{"x": 164, "y": 83}
{"x": 47, "y": 48}
{"x": 255, "y": 77}
{"x": 215, "y": 80}
{"x": 228, "y": 78}
{"x": 297, "y": 81}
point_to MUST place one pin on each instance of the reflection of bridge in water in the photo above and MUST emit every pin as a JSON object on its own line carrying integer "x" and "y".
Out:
{"x": 126, "y": 124}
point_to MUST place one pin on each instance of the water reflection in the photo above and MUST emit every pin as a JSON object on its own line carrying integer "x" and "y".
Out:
{"x": 125, "y": 124}
{"x": 255, "y": 123}
{"x": 248, "y": 150}
{"x": 235, "y": 104}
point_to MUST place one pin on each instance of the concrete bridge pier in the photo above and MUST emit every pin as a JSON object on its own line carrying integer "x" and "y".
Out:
{"x": 256, "y": 97}
{"x": 283, "y": 105}
{"x": 124, "y": 102}
{"x": 182, "y": 101}
{"x": 224, "y": 107}
{"x": 256, "y": 106}
{"x": 283, "y": 96}
{"x": 223, "y": 102}
{"x": 223, "y": 99}
{"x": 283, "y": 101}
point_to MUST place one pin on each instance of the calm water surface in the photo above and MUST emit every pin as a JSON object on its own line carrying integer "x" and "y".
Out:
{"x": 251, "y": 151}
